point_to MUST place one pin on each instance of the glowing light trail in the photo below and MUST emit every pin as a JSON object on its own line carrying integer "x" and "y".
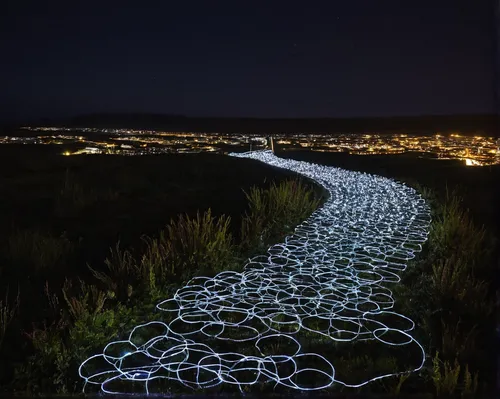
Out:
{"x": 325, "y": 285}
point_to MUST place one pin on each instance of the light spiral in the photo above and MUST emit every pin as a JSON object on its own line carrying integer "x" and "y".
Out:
{"x": 287, "y": 317}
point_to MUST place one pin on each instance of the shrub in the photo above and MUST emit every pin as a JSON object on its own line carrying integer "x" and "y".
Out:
{"x": 201, "y": 245}
{"x": 89, "y": 302}
{"x": 445, "y": 376}
{"x": 470, "y": 383}
{"x": 83, "y": 326}
{"x": 454, "y": 232}
{"x": 122, "y": 273}
{"x": 157, "y": 271}
{"x": 453, "y": 280}
{"x": 274, "y": 212}
{"x": 188, "y": 246}
{"x": 447, "y": 381}
{"x": 456, "y": 340}
{"x": 446, "y": 293}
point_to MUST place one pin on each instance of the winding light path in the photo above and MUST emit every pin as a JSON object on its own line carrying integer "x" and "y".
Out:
{"x": 291, "y": 317}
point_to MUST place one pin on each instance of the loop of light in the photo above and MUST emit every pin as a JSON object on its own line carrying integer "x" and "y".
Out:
{"x": 327, "y": 282}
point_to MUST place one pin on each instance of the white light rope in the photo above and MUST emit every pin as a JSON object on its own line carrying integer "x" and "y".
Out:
{"x": 325, "y": 285}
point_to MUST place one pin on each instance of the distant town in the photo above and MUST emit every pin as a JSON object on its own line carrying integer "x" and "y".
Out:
{"x": 472, "y": 150}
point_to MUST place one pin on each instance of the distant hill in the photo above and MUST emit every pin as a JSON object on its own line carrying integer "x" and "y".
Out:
{"x": 487, "y": 124}
{"x": 135, "y": 120}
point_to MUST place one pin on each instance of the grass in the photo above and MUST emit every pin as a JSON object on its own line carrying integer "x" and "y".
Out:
{"x": 36, "y": 251}
{"x": 454, "y": 297}
{"x": 455, "y": 232}
{"x": 121, "y": 272}
{"x": 73, "y": 197}
{"x": 130, "y": 204}
{"x": 135, "y": 196}
{"x": 202, "y": 244}
{"x": 89, "y": 301}
{"x": 272, "y": 213}
{"x": 450, "y": 378}
{"x": 8, "y": 311}
{"x": 446, "y": 290}
{"x": 188, "y": 246}
{"x": 77, "y": 304}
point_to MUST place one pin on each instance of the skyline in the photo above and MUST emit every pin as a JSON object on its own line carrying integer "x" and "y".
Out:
{"x": 473, "y": 150}
{"x": 333, "y": 60}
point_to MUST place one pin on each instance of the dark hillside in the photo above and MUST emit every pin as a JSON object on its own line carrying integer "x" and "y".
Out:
{"x": 466, "y": 124}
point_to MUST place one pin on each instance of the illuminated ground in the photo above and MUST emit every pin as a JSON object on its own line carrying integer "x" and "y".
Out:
{"x": 287, "y": 318}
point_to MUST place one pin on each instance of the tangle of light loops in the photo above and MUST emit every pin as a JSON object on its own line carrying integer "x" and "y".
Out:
{"x": 326, "y": 285}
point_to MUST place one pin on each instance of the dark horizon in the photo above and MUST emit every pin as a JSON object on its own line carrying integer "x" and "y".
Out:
{"x": 279, "y": 60}
{"x": 487, "y": 124}
{"x": 32, "y": 120}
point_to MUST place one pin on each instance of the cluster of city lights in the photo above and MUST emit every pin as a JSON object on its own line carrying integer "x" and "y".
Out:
{"x": 327, "y": 283}
{"x": 477, "y": 150}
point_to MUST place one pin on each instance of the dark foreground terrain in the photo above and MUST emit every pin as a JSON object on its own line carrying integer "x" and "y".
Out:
{"x": 61, "y": 214}
{"x": 62, "y": 217}
{"x": 99, "y": 200}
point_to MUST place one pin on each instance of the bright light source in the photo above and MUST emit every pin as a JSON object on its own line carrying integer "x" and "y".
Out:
{"x": 327, "y": 282}
{"x": 472, "y": 162}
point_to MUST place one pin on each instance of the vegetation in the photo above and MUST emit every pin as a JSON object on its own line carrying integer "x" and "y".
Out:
{"x": 71, "y": 305}
{"x": 71, "y": 315}
{"x": 200, "y": 245}
{"x": 448, "y": 290}
{"x": 447, "y": 293}
{"x": 36, "y": 251}
{"x": 272, "y": 213}
{"x": 7, "y": 313}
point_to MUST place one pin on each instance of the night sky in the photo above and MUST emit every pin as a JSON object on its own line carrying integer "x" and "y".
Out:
{"x": 247, "y": 58}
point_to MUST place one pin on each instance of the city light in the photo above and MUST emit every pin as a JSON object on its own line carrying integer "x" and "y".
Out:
{"x": 327, "y": 282}
{"x": 482, "y": 150}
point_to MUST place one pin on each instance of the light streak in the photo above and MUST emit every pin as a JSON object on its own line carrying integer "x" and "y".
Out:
{"x": 327, "y": 282}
